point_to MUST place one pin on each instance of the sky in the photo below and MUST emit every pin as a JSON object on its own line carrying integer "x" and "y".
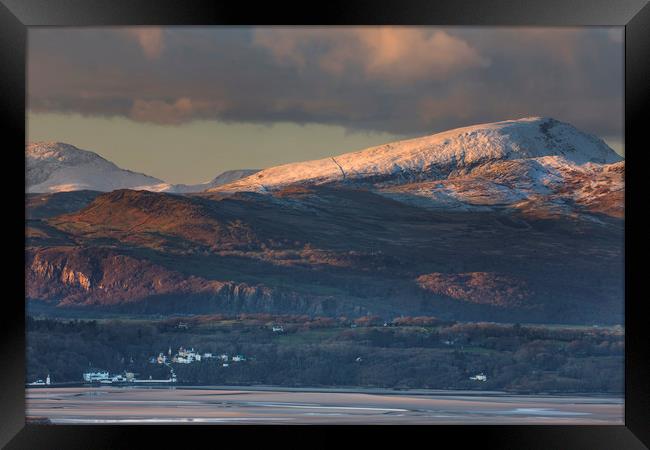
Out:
{"x": 186, "y": 103}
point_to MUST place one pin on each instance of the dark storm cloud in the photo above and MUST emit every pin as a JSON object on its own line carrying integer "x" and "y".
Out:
{"x": 398, "y": 80}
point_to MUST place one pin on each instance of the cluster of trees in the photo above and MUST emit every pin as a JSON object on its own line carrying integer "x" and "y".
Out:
{"x": 301, "y": 322}
{"x": 410, "y": 353}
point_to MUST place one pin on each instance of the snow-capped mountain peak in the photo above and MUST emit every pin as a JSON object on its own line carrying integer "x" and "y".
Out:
{"x": 439, "y": 155}
{"x": 60, "y": 154}
{"x": 56, "y": 167}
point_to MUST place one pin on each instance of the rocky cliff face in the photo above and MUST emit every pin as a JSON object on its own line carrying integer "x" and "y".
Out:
{"x": 84, "y": 277}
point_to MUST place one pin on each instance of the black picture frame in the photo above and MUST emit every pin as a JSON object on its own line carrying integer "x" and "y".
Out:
{"x": 17, "y": 15}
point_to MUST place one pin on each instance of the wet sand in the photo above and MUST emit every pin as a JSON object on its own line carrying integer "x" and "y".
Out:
{"x": 176, "y": 405}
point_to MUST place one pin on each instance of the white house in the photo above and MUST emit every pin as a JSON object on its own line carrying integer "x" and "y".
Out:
{"x": 479, "y": 377}
{"x": 95, "y": 375}
{"x": 278, "y": 329}
{"x": 40, "y": 382}
{"x": 186, "y": 356}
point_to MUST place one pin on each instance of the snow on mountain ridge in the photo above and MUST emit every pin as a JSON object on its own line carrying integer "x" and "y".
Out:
{"x": 550, "y": 184}
{"x": 57, "y": 167}
{"x": 62, "y": 152}
{"x": 223, "y": 178}
{"x": 439, "y": 155}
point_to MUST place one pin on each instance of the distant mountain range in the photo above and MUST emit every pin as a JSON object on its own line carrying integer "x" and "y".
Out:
{"x": 519, "y": 220}
{"x": 444, "y": 155}
{"x": 224, "y": 178}
{"x": 59, "y": 167}
{"x": 532, "y": 161}
{"x": 56, "y": 167}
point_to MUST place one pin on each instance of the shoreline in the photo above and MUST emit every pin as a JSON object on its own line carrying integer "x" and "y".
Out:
{"x": 342, "y": 390}
{"x": 270, "y": 405}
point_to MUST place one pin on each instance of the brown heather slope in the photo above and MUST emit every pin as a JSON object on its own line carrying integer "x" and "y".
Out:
{"x": 155, "y": 220}
{"x": 42, "y": 206}
{"x": 477, "y": 287}
{"x": 325, "y": 250}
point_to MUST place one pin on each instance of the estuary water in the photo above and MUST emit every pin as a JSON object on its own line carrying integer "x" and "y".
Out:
{"x": 228, "y": 405}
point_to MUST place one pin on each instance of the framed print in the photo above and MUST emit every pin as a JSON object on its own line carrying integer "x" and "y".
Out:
{"x": 293, "y": 221}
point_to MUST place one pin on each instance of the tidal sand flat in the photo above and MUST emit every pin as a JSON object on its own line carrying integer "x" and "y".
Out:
{"x": 141, "y": 405}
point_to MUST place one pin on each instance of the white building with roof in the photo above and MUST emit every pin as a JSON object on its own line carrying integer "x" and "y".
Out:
{"x": 96, "y": 375}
